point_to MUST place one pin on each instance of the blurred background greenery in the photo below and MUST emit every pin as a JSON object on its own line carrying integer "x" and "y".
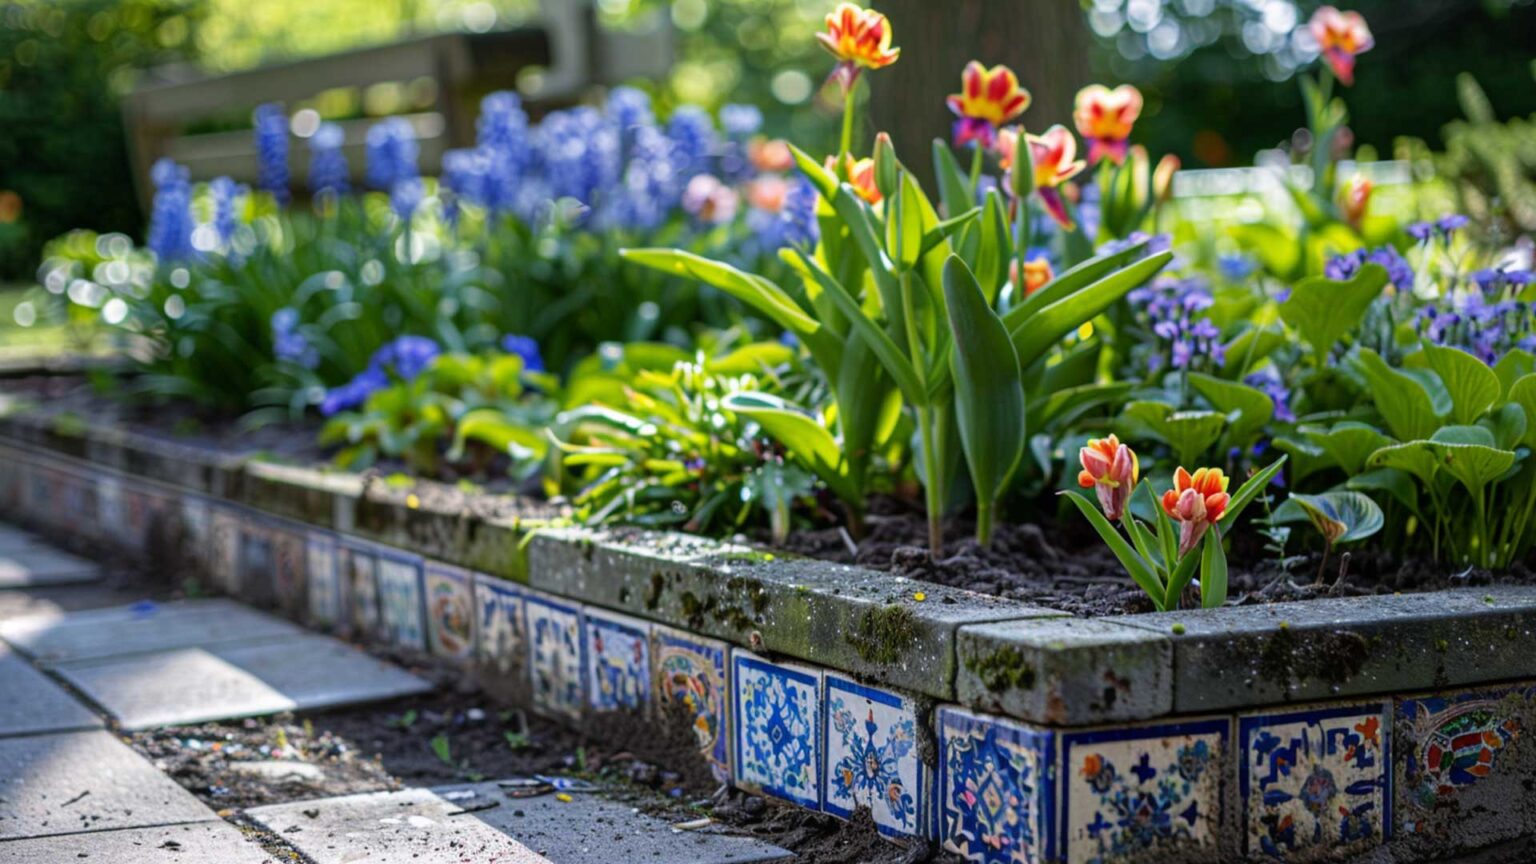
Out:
{"x": 1214, "y": 71}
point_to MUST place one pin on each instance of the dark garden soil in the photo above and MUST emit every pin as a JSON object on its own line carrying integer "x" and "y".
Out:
{"x": 1057, "y": 564}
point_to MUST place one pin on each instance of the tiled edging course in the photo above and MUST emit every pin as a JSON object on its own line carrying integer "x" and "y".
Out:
{"x": 1289, "y": 732}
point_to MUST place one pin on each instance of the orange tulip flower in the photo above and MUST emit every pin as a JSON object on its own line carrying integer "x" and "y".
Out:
{"x": 1196, "y": 501}
{"x": 1104, "y": 118}
{"x": 1111, "y": 469}
{"x": 860, "y": 39}
{"x": 988, "y": 98}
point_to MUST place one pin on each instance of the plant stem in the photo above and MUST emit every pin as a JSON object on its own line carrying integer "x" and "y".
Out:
{"x": 933, "y": 495}
{"x": 984, "y": 523}
{"x": 976, "y": 160}
{"x": 848, "y": 104}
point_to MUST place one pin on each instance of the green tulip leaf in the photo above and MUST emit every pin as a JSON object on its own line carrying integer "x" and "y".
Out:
{"x": 1036, "y": 334}
{"x": 1213, "y": 571}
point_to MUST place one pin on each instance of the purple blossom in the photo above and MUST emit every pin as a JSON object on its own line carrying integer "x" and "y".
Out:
{"x": 693, "y": 137}
{"x": 405, "y": 357}
{"x": 526, "y": 348}
{"x": 1452, "y": 222}
{"x": 392, "y": 153}
{"x": 271, "y": 131}
{"x": 1236, "y": 268}
{"x": 1421, "y": 231}
{"x": 1269, "y": 380}
{"x": 405, "y": 196}
{"x": 224, "y": 192}
{"x": 1342, "y": 268}
{"x": 328, "y": 170}
{"x": 1174, "y": 308}
{"x": 353, "y": 393}
{"x": 170, "y": 221}
{"x": 288, "y": 343}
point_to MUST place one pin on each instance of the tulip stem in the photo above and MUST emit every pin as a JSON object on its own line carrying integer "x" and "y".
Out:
{"x": 976, "y": 160}
{"x": 846, "y": 146}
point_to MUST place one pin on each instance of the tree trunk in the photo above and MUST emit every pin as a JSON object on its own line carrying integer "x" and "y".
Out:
{"x": 1046, "y": 42}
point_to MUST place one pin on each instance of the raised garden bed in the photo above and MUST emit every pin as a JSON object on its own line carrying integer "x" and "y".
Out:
{"x": 1000, "y": 725}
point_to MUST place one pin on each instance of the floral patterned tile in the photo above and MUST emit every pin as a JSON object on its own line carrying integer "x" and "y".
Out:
{"x": 996, "y": 789}
{"x": 618, "y": 661}
{"x": 360, "y": 590}
{"x": 289, "y": 582}
{"x": 501, "y": 638}
{"x": 871, "y": 757}
{"x": 778, "y": 742}
{"x": 1463, "y": 761}
{"x": 554, "y": 655}
{"x": 1145, "y": 793}
{"x": 450, "y": 612}
{"x": 400, "y": 600}
{"x": 1314, "y": 782}
{"x": 690, "y": 677}
{"x": 323, "y": 569}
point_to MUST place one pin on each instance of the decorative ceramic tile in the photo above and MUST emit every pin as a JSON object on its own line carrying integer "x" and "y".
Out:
{"x": 400, "y": 600}
{"x": 871, "y": 756}
{"x": 554, "y": 655}
{"x": 1145, "y": 793}
{"x": 360, "y": 590}
{"x": 289, "y": 555}
{"x": 41, "y": 492}
{"x": 77, "y": 504}
{"x": 1314, "y": 781}
{"x": 501, "y": 637}
{"x": 323, "y": 578}
{"x": 145, "y": 510}
{"x": 618, "y": 661}
{"x": 197, "y": 523}
{"x": 690, "y": 676}
{"x": 111, "y": 512}
{"x": 1463, "y": 760}
{"x": 223, "y": 544}
{"x": 255, "y": 570}
{"x": 450, "y": 612}
{"x": 996, "y": 790}
{"x": 778, "y": 735}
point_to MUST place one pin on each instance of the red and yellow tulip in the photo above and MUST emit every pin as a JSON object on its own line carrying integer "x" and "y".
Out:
{"x": 1054, "y": 154}
{"x": 1104, "y": 118}
{"x": 1355, "y": 199}
{"x": 1111, "y": 469}
{"x": 1341, "y": 37}
{"x": 860, "y": 174}
{"x": 1037, "y": 274}
{"x": 988, "y": 98}
{"x": 1196, "y": 501}
{"x": 860, "y": 39}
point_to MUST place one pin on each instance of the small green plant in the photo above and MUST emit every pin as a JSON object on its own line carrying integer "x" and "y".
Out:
{"x": 442, "y": 749}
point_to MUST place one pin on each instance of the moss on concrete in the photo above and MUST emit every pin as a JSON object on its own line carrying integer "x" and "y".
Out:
{"x": 884, "y": 634}
{"x": 1003, "y": 670}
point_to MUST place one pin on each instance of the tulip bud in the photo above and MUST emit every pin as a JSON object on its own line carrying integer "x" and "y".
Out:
{"x": 1022, "y": 174}
{"x": 887, "y": 168}
{"x": 1162, "y": 178}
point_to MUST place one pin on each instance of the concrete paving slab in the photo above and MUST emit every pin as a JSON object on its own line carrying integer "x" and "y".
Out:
{"x": 219, "y": 682}
{"x": 33, "y": 703}
{"x": 84, "y": 781}
{"x": 141, "y": 628}
{"x": 41, "y": 565}
{"x": 15, "y": 540}
{"x": 205, "y": 842}
{"x": 447, "y": 824}
{"x": 55, "y": 600}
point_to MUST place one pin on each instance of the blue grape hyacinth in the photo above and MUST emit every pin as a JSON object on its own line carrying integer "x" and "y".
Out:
{"x": 170, "y": 221}
{"x": 328, "y": 169}
{"x": 392, "y": 153}
{"x": 271, "y": 132}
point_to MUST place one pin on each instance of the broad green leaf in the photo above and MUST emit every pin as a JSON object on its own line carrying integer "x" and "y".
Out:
{"x": 1189, "y": 433}
{"x": 996, "y": 250}
{"x": 803, "y": 437}
{"x": 1035, "y": 335}
{"x": 1070, "y": 282}
{"x": 1402, "y": 400}
{"x": 1414, "y": 457}
{"x": 1468, "y": 454}
{"x": 954, "y": 188}
{"x": 895, "y": 360}
{"x": 1250, "y": 347}
{"x": 492, "y": 427}
{"x": 751, "y": 359}
{"x": 1473, "y": 387}
{"x": 1398, "y": 484}
{"x": 1341, "y": 516}
{"x": 1248, "y": 409}
{"x": 989, "y": 396}
{"x": 1514, "y": 365}
{"x": 1323, "y": 310}
{"x": 1349, "y": 444}
{"x": 1064, "y": 406}
{"x": 749, "y": 288}
{"x": 1508, "y": 424}
{"x": 1250, "y": 490}
{"x": 1213, "y": 571}
{"x": 1139, "y": 569}
{"x": 1523, "y": 393}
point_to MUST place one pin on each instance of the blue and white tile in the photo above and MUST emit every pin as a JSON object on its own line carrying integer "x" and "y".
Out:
{"x": 323, "y": 569}
{"x": 501, "y": 638}
{"x": 554, "y": 655}
{"x": 111, "y": 511}
{"x": 1145, "y": 793}
{"x": 450, "y": 612}
{"x": 400, "y": 600}
{"x": 360, "y": 590}
{"x": 871, "y": 757}
{"x": 1315, "y": 782}
{"x": 618, "y": 660}
{"x": 996, "y": 792}
{"x": 1464, "y": 759}
{"x": 691, "y": 677}
{"x": 778, "y": 735}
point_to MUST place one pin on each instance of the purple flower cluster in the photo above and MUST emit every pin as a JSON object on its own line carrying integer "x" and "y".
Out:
{"x": 526, "y": 348}
{"x": 271, "y": 124}
{"x": 1443, "y": 227}
{"x": 402, "y": 359}
{"x": 288, "y": 343}
{"x": 170, "y": 220}
{"x": 328, "y": 170}
{"x": 225, "y": 193}
{"x": 392, "y": 153}
{"x": 1342, "y": 268}
{"x": 1175, "y": 310}
{"x": 1155, "y": 243}
{"x": 1487, "y": 322}
{"x": 1270, "y": 381}
{"x": 793, "y": 224}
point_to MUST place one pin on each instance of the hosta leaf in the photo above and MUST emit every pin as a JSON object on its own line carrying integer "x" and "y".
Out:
{"x": 1342, "y": 516}
{"x": 1514, "y": 365}
{"x": 1472, "y": 386}
{"x": 1523, "y": 393}
{"x": 1323, "y": 310}
{"x": 1396, "y": 483}
{"x": 1349, "y": 444}
{"x": 1402, "y": 400}
{"x": 1468, "y": 454}
{"x": 1189, "y": 433}
{"x": 1250, "y": 347}
{"x": 989, "y": 395}
{"x": 1414, "y": 457}
{"x": 495, "y": 429}
{"x": 1247, "y": 408}
{"x": 1508, "y": 424}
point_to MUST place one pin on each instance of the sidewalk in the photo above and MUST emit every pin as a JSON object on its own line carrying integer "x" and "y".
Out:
{"x": 95, "y": 676}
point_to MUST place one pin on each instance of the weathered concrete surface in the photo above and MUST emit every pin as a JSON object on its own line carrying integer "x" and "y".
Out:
{"x": 30, "y": 703}
{"x": 40, "y": 565}
{"x": 1248, "y": 656}
{"x": 427, "y": 826}
{"x": 884, "y": 628}
{"x": 84, "y": 781}
{"x": 16, "y": 540}
{"x": 214, "y": 842}
{"x": 194, "y": 685}
{"x": 1065, "y": 671}
{"x": 143, "y": 627}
